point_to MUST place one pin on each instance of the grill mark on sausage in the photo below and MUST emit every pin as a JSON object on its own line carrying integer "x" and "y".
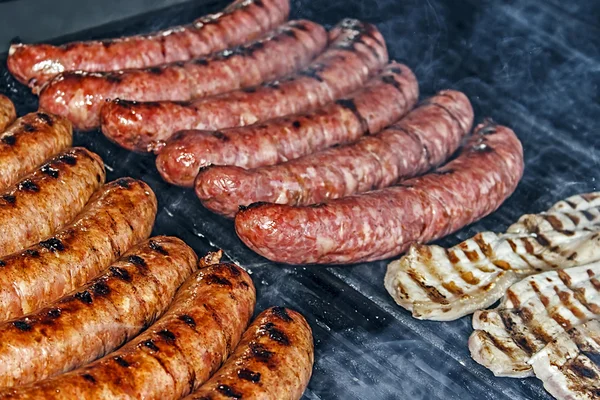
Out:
{"x": 2, "y": 263}
{"x": 220, "y": 135}
{"x": 53, "y": 244}
{"x": 22, "y": 325}
{"x": 124, "y": 183}
{"x": 69, "y": 159}
{"x": 151, "y": 345}
{"x": 249, "y": 375}
{"x": 89, "y": 378}
{"x": 157, "y": 247}
{"x": 167, "y": 336}
{"x": 45, "y": 118}
{"x": 229, "y": 391}
{"x": 29, "y": 186}
{"x": 276, "y": 334}
{"x": 54, "y": 313}
{"x": 214, "y": 279}
{"x": 120, "y": 273}
{"x": 50, "y": 171}
{"x": 188, "y": 320}
{"x": 29, "y": 128}
{"x": 349, "y": 105}
{"x": 260, "y": 352}
{"x": 122, "y": 362}
{"x": 32, "y": 253}
{"x": 281, "y": 313}
{"x": 9, "y": 140}
{"x": 85, "y": 297}
{"x": 100, "y": 288}
{"x": 137, "y": 261}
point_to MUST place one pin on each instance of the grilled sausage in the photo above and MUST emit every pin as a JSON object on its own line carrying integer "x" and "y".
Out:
{"x": 48, "y": 198}
{"x": 382, "y": 101}
{"x": 119, "y": 215}
{"x": 357, "y": 50}
{"x": 243, "y": 20}
{"x": 98, "y": 317}
{"x": 29, "y": 142}
{"x": 175, "y": 355}
{"x": 7, "y": 112}
{"x": 272, "y": 362}
{"x": 383, "y": 223}
{"x": 423, "y": 140}
{"x": 279, "y": 53}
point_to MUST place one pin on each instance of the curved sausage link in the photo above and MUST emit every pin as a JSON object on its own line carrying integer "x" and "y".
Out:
{"x": 273, "y": 361}
{"x": 243, "y": 20}
{"x": 30, "y": 141}
{"x": 174, "y": 356}
{"x": 356, "y": 51}
{"x": 7, "y": 112}
{"x": 79, "y": 96}
{"x": 49, "y": 198}
{"x": 119, "y": 215}
{"x": 100, "y": 316}
{"x": 381, "y": 102}
{"x": 384, "y": 223}
{"x": 422, "y": 140}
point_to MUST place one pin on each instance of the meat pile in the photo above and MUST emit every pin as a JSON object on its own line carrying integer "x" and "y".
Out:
{"x": 91, "y": 307}
{"x": 546, "y": 271}
{"x": 309, "y": 139}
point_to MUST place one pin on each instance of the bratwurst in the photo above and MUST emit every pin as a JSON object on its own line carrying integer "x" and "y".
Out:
{"x": 7, "y": 112}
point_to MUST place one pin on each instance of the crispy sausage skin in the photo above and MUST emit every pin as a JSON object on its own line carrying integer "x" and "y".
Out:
{"x": 98, "y": 317}
{"x": 175, "y": 355}
{"x": 422, "y": 140}
{"x": 48, "y": 198}
{"x": 273, "y": 361}
{"x": 30, "y": 141}
{"x": 243, "y": 20}
{"x": 119, "y": 215}
{"x": 384, "y": 223}
{"x": 79, "y": 96}
{"x": 7, "y": 112}
{"x": 357, "y": 50}
{"x": 384, "y": 99}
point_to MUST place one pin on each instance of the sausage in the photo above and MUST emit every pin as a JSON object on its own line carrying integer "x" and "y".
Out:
{"x": 119, "y": 215}
{"x": 243, "y": 20}
{"x": 100, "y": 316}
{"x": 48, "y": 198}
{"x": 279, "y": 53}
{"x": 357, "y": 50}
{"x": 30, "y": 141}
{"x": 273, "y": 361}
{"x": 175, "y": 355}
{"x": 7, "y": 112}
{"x": 424, "y": 139}
{"x": 384, "y": 223}
{"x": 382, "y": 101}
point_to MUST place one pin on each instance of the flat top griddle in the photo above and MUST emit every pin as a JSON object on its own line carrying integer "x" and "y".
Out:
{"x": 531, "y": 64}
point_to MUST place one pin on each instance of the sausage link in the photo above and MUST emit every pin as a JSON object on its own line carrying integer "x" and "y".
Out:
{"x": 243, "y": 20}
{"x": 382, "y": 101}
{"x": 79, "y": 96}
{"x": 119, "y": 215}
{"x": 30, "y": 141}
{"x": 357, "y": 50}
{"x": 424, "y": 139}
{"x": 98, "y": 317}
{"x": 383, "y": 223}
{"x": 48, "y": 198}
{"x": 273, "y": 361}
{"x": 175, "y": 355}
{"x": 7, "y": 112}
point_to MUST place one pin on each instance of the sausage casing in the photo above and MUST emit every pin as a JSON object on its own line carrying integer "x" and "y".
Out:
{"x": 30, "y": 141}
{"x": 119, "y": 215}
{"x": 47, "y": 199}
{"x": 7, "y": 112}
{"x": 98, "y": 317}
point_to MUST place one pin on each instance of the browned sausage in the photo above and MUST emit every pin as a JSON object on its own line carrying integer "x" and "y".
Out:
{"x": 273, "y": 361}
{"x": 243, "y": 20}
{"x": 357, "y": 50}
{"x": 98, "y": 317}
{"x": 384, "y": 223}
{"x": 175, "y": 355}
{"x": 79, "y": 96}
{"x": 29, "y": 142}
{"x": 47, "y": 199}
{"x": 119, "y": 215}
{"x": 7, "y": 112}
{"x": 422, "y": 140}
{"x": 381, "y": 102}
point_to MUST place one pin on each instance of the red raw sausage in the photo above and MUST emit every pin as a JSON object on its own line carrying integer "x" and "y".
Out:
{"x": 119, "y": 215}
{"x": 381, "y": 102}
{"x": 7, "y": 112}
{"x": 79, "y": 96}
{"x": 175, "y": 355}
{"x": 49, "y": 198}
{"x": 424, "y": 139}
{"x": 30, "y": 141}
{"x": 273, "y": 361}
{"x": 356, "y": 51}
{"x": 99, "y": 317}
{"x": 384, "y": 223}
{"x": 243, "y": 20}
